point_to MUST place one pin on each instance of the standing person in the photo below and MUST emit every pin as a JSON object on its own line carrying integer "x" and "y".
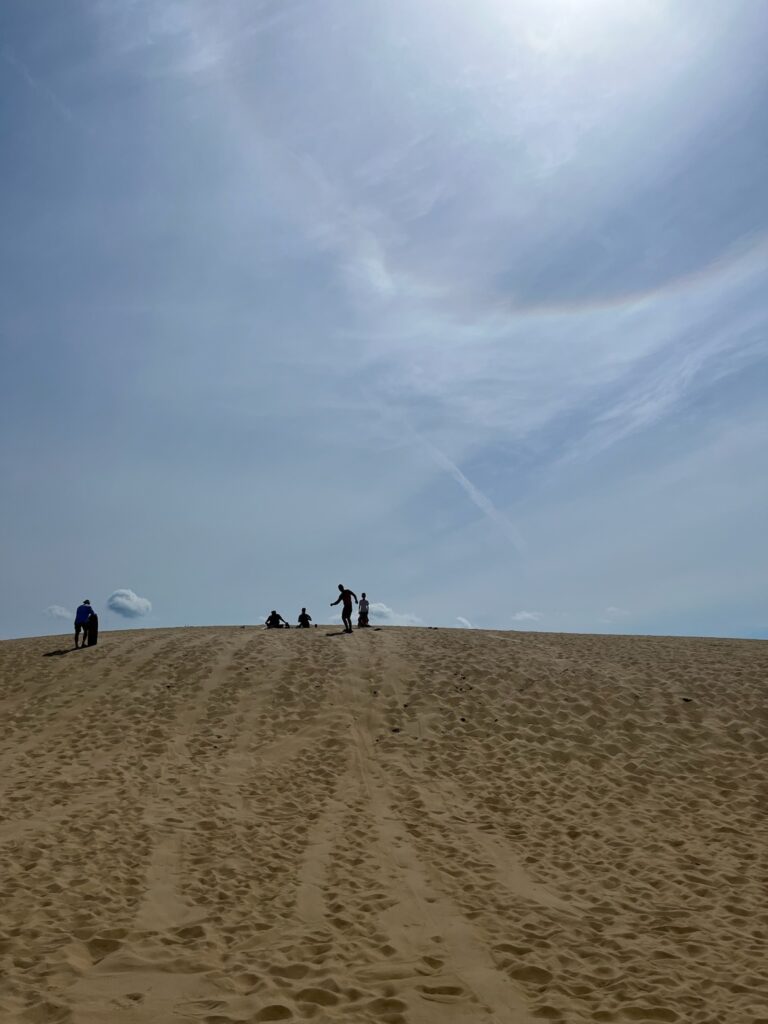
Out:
{"x": 304, "y": 619}
{"x": 82, "y": 618}
{"x": 346, "y": 597}
{"x": 362, "y": 618}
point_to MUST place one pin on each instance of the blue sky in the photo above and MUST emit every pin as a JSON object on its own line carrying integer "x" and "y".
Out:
{"x": 463, "y": 305}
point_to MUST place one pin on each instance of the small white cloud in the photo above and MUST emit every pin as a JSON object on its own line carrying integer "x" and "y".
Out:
{"x": 384, "y": 614}
{"x": 611, "y": 614}
{"x": 128, "y": 604}
{"x": 526, "y": 616}
{"x": 56, "y": 611}
{"x": 465, "y": 622}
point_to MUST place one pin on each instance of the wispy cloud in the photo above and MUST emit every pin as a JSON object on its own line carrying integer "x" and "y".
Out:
{"x": 464, "y": 622}
{"x": 526, "y": 617}
{"x": 128, "y": 604}
{"x": 511, "y": 303}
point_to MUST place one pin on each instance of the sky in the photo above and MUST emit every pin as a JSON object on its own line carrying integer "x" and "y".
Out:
{"x": 461, "y": 304}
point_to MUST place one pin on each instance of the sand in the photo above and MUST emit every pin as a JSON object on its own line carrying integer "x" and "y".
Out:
{"x": 403, "y": 825}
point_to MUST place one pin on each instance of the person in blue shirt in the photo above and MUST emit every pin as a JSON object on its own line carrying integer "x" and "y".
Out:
{"x": 82, "y": 618}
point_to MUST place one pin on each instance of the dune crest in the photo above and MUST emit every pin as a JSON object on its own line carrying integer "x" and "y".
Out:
{"x": 403, "y": 826}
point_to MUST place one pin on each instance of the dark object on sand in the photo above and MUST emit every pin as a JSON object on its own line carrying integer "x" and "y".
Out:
{"x": 93, "y": 630}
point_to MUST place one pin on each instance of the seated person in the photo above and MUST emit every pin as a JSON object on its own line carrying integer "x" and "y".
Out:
{"x": 304, "y": 619}
{"x": 275, "y": 621}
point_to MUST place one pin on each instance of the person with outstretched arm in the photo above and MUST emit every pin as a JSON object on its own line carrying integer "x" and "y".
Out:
{"x": 82, "y": 618}
{"x": 346, "y": 597}
{"x": 304, "y": 619}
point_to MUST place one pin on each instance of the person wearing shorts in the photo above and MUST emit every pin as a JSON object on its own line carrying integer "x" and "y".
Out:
{"x": 346, "y": 597}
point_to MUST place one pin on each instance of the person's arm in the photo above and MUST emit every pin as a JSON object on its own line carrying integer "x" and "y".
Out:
{"x": 336, "y": 601}
{"x": 309, "y": 618}
{"x": 354, "y": 595}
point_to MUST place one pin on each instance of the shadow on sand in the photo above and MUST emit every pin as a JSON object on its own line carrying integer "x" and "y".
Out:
{"x": 62, "y": 650}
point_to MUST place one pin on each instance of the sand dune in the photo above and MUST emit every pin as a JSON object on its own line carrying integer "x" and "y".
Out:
{"x": 404, "y": 825}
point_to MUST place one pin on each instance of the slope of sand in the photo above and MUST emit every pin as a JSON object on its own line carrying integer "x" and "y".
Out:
{"x": 403, "y": 825}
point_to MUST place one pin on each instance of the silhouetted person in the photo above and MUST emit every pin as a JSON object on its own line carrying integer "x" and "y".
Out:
{"x": 82, "y": 618}
{"x": 346, "y": 597}
{"x": 362, "y": 618}
{"x": 275, "y": 621}
{"x": 304, "y": 619}
{"x": 93, "y": 630}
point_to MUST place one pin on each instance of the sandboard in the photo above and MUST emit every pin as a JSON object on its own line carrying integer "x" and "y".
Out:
{"x": 93, "y": 630}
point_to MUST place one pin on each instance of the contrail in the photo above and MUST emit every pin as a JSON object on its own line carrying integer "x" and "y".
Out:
{"x": 38, "y": 86}
{"x": 476, "y": 496}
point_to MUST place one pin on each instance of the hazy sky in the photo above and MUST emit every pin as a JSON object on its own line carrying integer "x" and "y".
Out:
{"x": 461, "y": 304}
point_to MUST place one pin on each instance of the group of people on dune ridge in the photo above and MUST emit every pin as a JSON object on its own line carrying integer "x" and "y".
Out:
{"x": 345, "y": 598}
{"x": 87, "y": 621}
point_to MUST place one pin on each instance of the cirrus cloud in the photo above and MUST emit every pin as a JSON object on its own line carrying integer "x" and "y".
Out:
{"x": 128, "y": 604}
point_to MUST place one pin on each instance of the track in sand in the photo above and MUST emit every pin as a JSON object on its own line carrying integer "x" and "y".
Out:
{"x": 402, "y": 825}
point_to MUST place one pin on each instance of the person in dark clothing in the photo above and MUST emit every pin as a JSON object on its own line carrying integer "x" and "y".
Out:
{"x": 304, "y": 619}
{"x": 82, "y": 618}
{"x": 275, "y": 621}
{"x": 363, "y": 607}
{"x": 346, "y": 597}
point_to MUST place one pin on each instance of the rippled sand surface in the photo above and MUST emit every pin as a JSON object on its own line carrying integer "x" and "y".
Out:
{"x": 402, "y": 825}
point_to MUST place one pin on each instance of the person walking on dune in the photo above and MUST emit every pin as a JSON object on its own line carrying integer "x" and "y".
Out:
{"x": 82, "y": 618}
{"x": 346, "y": 597}
{"x": 363, "y": 608}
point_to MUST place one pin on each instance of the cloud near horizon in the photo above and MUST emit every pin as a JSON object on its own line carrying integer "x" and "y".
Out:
{"x": 527, "y": 617}
{"x": 386, "y": 616}
{"x": 128, "y": 604}
{"x": 57, "y": 611}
